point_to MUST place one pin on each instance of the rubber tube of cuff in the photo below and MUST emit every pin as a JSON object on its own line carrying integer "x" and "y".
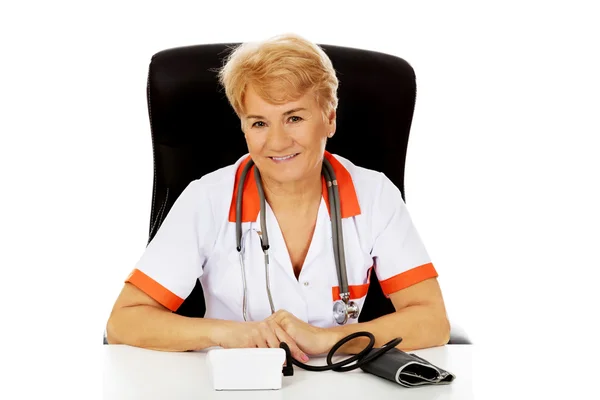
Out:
{"x": 361, "y": 358}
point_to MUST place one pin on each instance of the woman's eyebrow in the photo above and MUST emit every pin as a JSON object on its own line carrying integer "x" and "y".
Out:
{"x": 293, "y": 110}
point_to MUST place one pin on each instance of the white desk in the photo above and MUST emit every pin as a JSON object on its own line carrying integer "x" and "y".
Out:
{"x": 133, "y": 373}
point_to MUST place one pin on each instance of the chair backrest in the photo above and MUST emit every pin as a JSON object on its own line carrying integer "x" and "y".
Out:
{"x": 195, "y": 131}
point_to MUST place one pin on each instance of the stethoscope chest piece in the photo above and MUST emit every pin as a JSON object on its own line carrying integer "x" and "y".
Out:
{"x": 342, "y": 311}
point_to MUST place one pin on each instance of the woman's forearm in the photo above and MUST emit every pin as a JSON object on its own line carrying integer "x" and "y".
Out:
{"x": 152, "y": 328}
{"x": 419, "y": 326}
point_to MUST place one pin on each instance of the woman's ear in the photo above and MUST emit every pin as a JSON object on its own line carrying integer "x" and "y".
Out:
{"x": 331, "y": 122}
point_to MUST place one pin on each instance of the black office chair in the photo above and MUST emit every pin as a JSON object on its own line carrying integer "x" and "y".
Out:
{"x": 195, "y": 131}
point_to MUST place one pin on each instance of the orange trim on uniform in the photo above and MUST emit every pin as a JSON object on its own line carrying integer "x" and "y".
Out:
{"x": 250, "y": 198}
{"x": 408, "y": 278}
{"x": 356, "y": 291}
{"x": 251, "y": 201}
{"x": 348, "y": 198}
{"x": 154, "y": 289}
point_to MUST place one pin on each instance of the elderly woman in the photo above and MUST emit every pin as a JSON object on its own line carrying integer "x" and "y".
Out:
{"x": 284, "y": 92}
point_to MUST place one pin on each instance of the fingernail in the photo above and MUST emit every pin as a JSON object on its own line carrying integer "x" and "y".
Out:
{"x": 304, "y": 357}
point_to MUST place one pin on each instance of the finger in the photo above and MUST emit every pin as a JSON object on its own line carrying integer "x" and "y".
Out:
{"x": 260, "y": 343}
{"x": 279, "y": 315}
{"x": 285, "y": 320}
{"x": 294, "y": 349}
{"x": 269, "y": 336}
{"x": 259, "y": 340}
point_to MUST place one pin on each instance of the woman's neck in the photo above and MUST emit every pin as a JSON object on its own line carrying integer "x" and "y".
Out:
{"x": 299, "y": 197}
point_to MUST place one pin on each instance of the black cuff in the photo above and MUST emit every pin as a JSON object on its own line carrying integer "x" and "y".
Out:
{"x": 406, "y": 369}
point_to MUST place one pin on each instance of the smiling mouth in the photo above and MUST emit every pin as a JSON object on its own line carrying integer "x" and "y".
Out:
{"x": 284, "y": 158}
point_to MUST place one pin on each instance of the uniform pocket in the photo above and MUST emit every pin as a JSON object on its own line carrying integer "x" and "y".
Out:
{"x": 356, "y": 291}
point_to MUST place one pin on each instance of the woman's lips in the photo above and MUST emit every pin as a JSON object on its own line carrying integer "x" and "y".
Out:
{"x": 284, "y": 159}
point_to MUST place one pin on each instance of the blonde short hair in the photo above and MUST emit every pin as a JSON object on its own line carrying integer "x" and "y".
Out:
{"x": 282, "y": 68}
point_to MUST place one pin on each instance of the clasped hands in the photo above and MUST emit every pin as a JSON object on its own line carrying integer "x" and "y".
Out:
{"x": 302, "y": 338}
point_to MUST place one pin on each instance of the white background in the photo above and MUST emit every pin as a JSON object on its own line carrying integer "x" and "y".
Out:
{"x": 502, "y": 171}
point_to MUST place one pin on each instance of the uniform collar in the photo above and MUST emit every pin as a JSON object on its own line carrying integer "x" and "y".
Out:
{"x": 251, "y": 203}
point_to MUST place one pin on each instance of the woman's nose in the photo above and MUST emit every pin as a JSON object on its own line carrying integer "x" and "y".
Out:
{"x": 278, "y": 138}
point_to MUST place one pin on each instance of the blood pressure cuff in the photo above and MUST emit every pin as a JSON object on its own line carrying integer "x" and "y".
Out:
{"x": 408, "y": 370}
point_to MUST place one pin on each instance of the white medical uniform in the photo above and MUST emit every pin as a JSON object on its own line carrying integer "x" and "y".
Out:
{"x": 197, "y": 241}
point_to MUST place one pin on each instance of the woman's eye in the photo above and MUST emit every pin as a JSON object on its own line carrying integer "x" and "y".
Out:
{"x": 258, "y": 122}
{"x": 295, "y": 118}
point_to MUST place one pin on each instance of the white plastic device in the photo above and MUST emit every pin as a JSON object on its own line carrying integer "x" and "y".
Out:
{"x": 246, "y": 369}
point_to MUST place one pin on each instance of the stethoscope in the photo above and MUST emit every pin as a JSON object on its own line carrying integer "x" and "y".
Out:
{"x": 344, "y": 308}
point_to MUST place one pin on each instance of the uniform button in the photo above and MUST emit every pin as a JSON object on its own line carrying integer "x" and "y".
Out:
{"x": 306, "y": 283}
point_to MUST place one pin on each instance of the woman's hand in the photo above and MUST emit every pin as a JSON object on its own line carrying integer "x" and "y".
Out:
{"x": 310, "y": 339}
{"x": 267, "y": 333}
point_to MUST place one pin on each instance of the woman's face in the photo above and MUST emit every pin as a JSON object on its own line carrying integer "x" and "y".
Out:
{"x": 286, "y": 142}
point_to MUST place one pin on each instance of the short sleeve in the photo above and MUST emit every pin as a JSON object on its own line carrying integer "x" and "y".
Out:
{"x": 401, "y": 259}
{"x": 173, "y": 260}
